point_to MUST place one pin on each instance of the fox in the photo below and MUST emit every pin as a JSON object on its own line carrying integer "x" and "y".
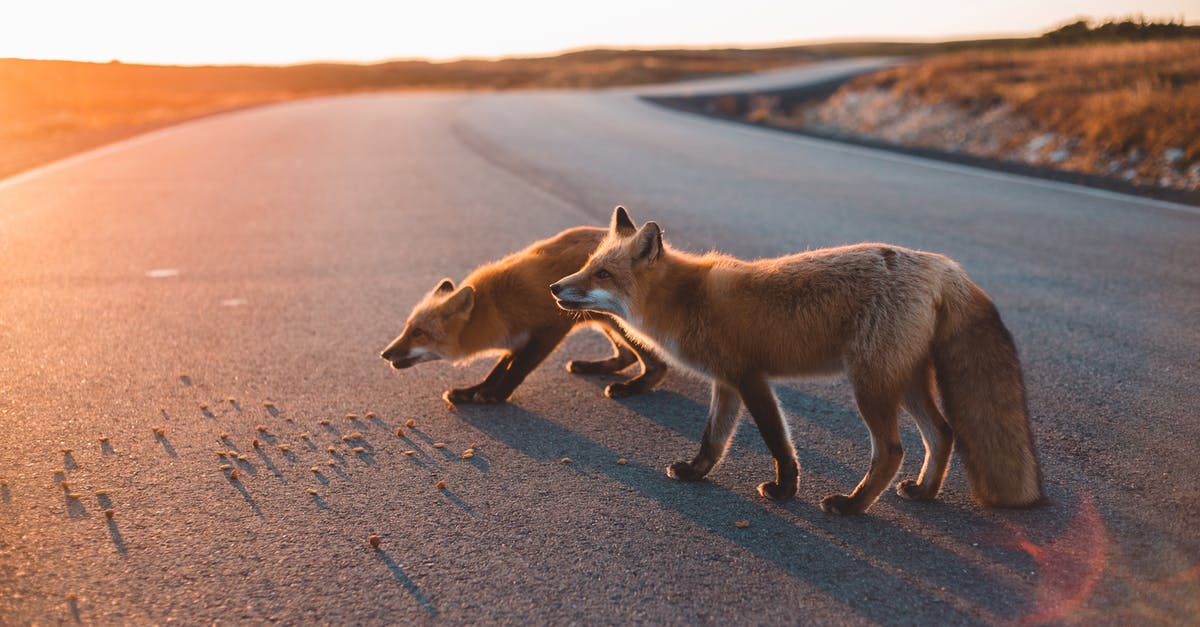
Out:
{"x": 904, "y": 326}
{"x": 504, "y": 307}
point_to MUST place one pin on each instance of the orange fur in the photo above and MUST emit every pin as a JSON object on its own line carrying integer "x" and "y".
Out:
{"x": 504, "y": 307}
{"x": 893, "y": 320}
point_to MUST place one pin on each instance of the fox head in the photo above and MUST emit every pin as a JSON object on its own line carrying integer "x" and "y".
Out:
{"x": 608, "y": 282}
{"x": 433, "y": 328}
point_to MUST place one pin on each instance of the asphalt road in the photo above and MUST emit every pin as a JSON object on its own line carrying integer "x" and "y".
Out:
{"x": 269, "y": 255}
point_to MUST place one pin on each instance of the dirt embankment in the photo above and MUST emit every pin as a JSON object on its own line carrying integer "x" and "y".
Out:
{"x": 1129, "y": 111}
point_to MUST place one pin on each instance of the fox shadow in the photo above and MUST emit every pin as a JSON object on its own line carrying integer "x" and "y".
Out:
{"x": 813, "y": 550}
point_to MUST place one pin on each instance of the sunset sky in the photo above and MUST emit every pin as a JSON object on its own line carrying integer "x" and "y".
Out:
{"x": 280, "y": 31}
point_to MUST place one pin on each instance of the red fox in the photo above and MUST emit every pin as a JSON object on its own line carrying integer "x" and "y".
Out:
{"x": 504, "y": 307}
{"x": 899, "y": 323}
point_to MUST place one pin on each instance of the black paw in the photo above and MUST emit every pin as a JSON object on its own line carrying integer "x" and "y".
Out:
{"x": 468, "y": 396}
{"x": 577, "y": 366}
{"x": 684, "y": 471}
{"x": 621, "y": 390}
{"x": 775, "y": 491}
{"x": 841, "y": 504}
{"x": 459, "y": 395}
{"x": 488, "y": 397}
{"x": 909, "y": 489}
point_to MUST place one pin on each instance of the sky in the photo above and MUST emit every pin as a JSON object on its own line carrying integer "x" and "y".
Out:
{"x": 192, "y": 32}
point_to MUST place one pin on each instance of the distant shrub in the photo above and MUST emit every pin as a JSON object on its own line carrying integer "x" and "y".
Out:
{"x": 1127, "y": 29}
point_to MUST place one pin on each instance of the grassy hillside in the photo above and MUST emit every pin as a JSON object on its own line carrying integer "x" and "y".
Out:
{"x": 1130, "y": 110}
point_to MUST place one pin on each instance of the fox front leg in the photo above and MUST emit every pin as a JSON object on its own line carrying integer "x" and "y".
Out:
{"x": 478, "y": 393}
{"x": 760, "y": 401}
{"x": 718, "y": 430}
{"x": 510, "y": 371}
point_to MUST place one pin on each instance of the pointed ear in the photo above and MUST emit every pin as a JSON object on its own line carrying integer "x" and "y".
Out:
{"x": 445, "y": 286}
{"x": 622, "y": 224}
{"x": 461, "y": 302}
{"x": 648, "y": 242}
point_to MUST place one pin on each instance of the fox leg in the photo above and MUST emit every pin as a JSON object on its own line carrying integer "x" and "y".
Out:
{"x": 467, "y": 395}
{"x": 622, "y": 360}
{"x": 935, "y": 433}
{"x": 879, "y": 411}
{"x": 524, "y": 360}
{"x": 764, "y": 408}
{"x": 653, "y": 368}
{"x": 718, "y": 430}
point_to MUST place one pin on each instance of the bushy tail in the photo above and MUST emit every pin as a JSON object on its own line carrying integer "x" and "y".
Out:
{"x": 979, "y": 378}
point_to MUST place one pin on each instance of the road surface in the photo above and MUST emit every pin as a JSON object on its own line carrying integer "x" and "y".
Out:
{"x": 267, "y": 256}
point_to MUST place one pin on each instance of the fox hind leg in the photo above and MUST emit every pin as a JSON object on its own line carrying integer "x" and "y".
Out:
{"x": 935, "y": 433}
{"x": 880, "y": 410}
{"x": 718, "y": 431}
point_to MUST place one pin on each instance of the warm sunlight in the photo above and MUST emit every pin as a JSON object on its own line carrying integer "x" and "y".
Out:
{"x": 277, "y": 31}
{"x": 625, "y": 312}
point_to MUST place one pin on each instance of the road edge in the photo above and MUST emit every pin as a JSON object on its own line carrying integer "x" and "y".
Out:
{"x": 702, "y": 105}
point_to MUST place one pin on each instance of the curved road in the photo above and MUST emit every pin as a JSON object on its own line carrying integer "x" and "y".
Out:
{"x": 268, "y": 255}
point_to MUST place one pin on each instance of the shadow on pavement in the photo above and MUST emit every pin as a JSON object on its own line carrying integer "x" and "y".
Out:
{"x": 419, "y": 452}
{"x": 118, "y": 540}
{"x": 266, "y": 460}
{"x": 446, "y": 492}
{"x": 245, "y": 495}
{"x": 166, "y": 444}
{"x": 75, "y": 508}
{"x": 839, "y": 555}
{"x": 405, "y": 581}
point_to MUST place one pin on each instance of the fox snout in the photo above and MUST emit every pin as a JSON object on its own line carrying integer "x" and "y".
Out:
{"x": 406, "y": 362}
{"x": 395, "y": 356}
{"x": 567, "y": 296}
{"x": 401, "y": 356}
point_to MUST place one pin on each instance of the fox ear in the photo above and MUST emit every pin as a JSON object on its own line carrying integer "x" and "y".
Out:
{"x": 445, "y": 286}
{"x": 461, "y": 302}
{"x": 622, "y": 224}
{"x": 648, "y": 242}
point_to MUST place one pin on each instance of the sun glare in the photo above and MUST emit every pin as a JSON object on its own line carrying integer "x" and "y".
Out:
{"x": 280, "y": 32}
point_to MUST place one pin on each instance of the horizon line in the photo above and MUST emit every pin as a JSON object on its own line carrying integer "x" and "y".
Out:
{"x": 549, "y": 54}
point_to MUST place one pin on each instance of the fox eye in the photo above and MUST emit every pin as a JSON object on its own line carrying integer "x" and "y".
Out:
{"x": 416, "y": 333}
{"x": 603, "y": 274}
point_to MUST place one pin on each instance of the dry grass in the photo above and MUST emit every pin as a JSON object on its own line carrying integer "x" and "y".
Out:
{"x": 1112, "y": 98}
{"x": 51, "y": 109}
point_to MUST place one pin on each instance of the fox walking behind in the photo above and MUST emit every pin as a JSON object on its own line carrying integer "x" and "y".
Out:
{"x": 897, "y": 322}
{"x": 504, "y": 307}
